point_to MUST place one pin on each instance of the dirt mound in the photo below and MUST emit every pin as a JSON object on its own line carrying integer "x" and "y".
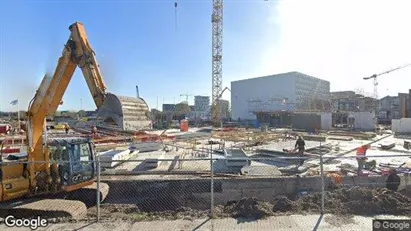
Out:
{"x": 283, "y": 204}
{"x": 246, "y": 208}
{"x": 358, "y": 201}
{"x": 351, "y": 201}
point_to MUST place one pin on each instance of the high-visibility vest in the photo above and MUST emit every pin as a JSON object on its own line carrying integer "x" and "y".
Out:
{"x": 335, "y": 178}
{"x": 361, "y": 151}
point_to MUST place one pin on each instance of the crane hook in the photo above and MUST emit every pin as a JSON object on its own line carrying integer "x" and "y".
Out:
{"x": 175, "y": 14}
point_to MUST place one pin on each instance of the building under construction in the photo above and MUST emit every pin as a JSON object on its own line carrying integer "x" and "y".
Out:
{"x": 300, "y": 101}
{"x": 394, "y": 107}
{"x": 280, "y": 93}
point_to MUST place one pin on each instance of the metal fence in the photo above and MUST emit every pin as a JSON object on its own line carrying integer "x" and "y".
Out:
{"x": 205, "y": 185}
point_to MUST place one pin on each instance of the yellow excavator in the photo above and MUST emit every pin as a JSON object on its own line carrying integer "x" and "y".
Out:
{"x": 56, "y": 169}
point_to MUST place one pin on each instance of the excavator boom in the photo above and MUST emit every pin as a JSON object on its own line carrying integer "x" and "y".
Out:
{"x": 128, "y": 113}
{"x": 84, "y": 56}
{"x": 55, "y": 167}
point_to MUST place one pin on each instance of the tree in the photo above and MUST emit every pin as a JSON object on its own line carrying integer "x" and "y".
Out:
{"x": 182, "y": 109}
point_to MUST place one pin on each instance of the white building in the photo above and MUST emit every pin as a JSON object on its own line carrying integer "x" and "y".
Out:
{"x": 289, "y": 91}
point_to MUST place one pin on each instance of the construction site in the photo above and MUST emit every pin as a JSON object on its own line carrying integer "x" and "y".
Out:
{"x": 124, "y": 161}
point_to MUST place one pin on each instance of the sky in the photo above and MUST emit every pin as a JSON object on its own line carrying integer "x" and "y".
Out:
{"x": 166, "y": 51}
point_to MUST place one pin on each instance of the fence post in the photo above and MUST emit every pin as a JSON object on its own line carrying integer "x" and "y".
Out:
{"x": 322, "y": 184}
{"x": 212, "y": 182}
{"x": 98, "y": 189}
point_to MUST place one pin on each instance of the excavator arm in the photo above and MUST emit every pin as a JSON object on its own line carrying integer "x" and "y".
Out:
{"x": 216, "y": 109}
{"x": 77, "y": 52}
{"x": 84, "y": 56}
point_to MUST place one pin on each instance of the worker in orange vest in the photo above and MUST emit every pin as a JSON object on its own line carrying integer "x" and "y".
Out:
{"x": 336, "y": 179}
{"x": 361, "y": 152}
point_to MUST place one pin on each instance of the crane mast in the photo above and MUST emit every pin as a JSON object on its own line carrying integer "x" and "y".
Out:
{"x": 217, "y": 54}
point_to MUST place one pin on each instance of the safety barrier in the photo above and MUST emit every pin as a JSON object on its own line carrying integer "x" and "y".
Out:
{"x": 202, "y": 185}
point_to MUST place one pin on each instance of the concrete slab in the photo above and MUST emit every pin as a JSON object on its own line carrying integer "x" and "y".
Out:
{"x": 146, "y": 146}
{"x": 279, "y": 146}
{"x": 182, "y": 157}
{"x": 115, "y": 157}
{"x": 260, "y": 170}
{"x": 135, "y": 161}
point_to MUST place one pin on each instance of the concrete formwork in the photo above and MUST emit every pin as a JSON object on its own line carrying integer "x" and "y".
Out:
{"x": 308, "y": 122}
{"x": 402, "y": 125}
{"x": 128, "y": 113}
{"x": 326, "y": 121}
{"x": 362, "y": 120}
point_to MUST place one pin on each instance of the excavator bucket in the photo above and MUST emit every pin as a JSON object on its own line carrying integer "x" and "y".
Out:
{"x": 128, "y": 113}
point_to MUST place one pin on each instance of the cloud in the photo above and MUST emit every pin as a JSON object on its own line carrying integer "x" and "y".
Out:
{"x": 341, "y": 41}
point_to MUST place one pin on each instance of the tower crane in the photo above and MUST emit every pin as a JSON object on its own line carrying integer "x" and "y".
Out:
{"x": 217, "y": 56}
{"x": 374, "y": 77}
{"x": 375, "y": 83}
{"x": 218, "y": 119}
{"x": 186, "y": 95}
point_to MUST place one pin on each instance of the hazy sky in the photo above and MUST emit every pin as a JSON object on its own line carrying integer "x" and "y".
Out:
{"x": 138, "y": 43}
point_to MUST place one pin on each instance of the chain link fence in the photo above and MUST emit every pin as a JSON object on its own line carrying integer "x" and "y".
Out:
{"x": 205, "y": 185}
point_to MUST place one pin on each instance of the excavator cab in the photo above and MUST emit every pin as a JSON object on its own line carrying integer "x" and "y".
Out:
{"x": 73, "y": 161}
{"x": 71, "y": 181}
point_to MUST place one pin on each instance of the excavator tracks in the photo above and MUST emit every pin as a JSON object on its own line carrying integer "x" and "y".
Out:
{"x": 69, "y": 205}
{"x": 88, "y": 194}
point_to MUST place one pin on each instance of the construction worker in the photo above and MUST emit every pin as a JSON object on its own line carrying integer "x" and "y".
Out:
{"x": 300, "y": 145}
{"x": 393, "y": 180}
{"x": 361, "y": 152}
{"x": 94, "y": 131}
{"x": 336, "y": 180}
{"x": 66, "y": 128}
